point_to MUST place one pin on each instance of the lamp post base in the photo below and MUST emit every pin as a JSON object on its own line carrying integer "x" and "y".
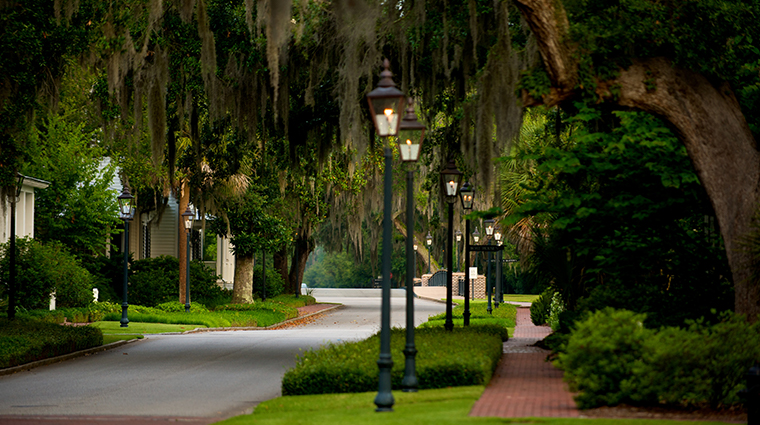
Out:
{"x": 124, "y": 320}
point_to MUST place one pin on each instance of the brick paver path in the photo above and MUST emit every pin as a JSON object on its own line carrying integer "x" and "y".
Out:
{"x": 525, "y": 384}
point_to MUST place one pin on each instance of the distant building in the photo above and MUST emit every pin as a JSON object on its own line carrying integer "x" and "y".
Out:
{"x": 24, "y": 211}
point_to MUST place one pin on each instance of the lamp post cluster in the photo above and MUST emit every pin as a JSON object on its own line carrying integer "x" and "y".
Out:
{"x": 385, "y": 104}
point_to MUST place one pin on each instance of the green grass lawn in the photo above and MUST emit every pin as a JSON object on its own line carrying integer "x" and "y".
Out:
{"x": 114, "y": 328}
{"x": 427, "y": 407}
{"x": 520, "y": 298}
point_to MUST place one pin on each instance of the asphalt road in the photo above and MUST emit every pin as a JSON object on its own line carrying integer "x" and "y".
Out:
{"x": 196, "y": 378}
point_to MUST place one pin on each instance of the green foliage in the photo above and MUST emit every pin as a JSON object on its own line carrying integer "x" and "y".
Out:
{"x": 251, "y": 227}
{"x": 155, "y": 281}
{"x": 555, "y": 310}
{"x": 502, "y": 317}
{"x": 716, "y": 38}
{"x": 260, "y": 314}
{"x": 23, "y": 340}
{"x": 540, "y": 309}
{"x": 465, "y": 356}
{"x": 611, "y": 358}
{"x": 619, "y": 220}
{"x": 77, "y": 209}
{"x": 178, "y": 307}
{"x": 92, "y": 313}
{"x": 44, "y": 268}
{"x": 337, "y": 270}
{"x": 275, "y": 284}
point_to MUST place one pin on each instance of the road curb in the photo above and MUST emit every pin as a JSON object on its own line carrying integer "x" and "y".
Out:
{"x": 63, "y": 357}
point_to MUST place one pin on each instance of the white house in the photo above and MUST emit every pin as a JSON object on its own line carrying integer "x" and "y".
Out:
{"x": 153, "y": 234}
{"x": 24, "y": 211}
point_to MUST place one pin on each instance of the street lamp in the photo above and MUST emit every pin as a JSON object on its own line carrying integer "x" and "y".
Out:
{"x": 499, "y": 290}
{"x": 458, "y": 236}
{"x": 451, "y": 178}
{"x": 385, "y": 104}
{"x": 467, "y": 195}
{"x": 489, "y": 224}
{"x": 12, "y": 257}
{"x": 411, "y": 135}
{"x": 126, "y": 202}
{"x": 429, "y": 241}
{"x": 415, "y": 260}
{"x": 188, "y": 217}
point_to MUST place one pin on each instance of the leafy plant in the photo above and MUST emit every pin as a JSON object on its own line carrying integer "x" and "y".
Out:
{"x": 611, "y": 358}
{"x": 540, "y": 309}
{"x": 44, "y": 268}
{"x": 465, "y": 356}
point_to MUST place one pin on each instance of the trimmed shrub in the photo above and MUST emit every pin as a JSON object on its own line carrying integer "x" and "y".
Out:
{"x": 155, "y": 281}
{"x": 178, "y": 307}
{"x": 43, "y": 269}
{"x": 275, "y": 284}
{"x": 611, "y": 358}
{"x": 540, "y": 309}
{"x": 465, "y": 356}
{"x": 23, "y": 341}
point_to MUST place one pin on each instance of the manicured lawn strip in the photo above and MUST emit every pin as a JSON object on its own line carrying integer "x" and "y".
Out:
{"x": 426, "y": 407}
{"x": 466, "y": 356}
{"x": 114, "y": 328}
{"x": 524, "y": 298}
{"x": 479, "y": 310}
{"x": 23, "y": 340}
{"x": 260, "y": 314}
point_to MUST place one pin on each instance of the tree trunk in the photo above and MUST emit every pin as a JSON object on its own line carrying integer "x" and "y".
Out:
{"x": 706, "y": 118}
{"x": 295, "y": 276}
{"x": 242, "y": 288}
{"x": 280, "y": 260}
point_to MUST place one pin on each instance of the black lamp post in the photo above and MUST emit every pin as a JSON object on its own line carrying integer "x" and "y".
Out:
{"x": 451, "y": 179}
{"x": 188, "y": 217}
{"x": 415, "y": 260}
{"x": 467, "y": 195}
{"x": 476, "y": 238}
{"x": 125, "y": 207}
{"x": 429, "y": 242}
{"x": 489, "y": 225}
{"x": 12, "y": 257}
{"x": 411, "y": 135}
{"x": 499, "y": 289}
{"x": 385, "y": 104}
{"x": 458, "y": 237}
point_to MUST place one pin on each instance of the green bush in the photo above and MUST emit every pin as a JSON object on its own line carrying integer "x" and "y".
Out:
{"x": 600, "y": 356}
{"x": 155, "y": 281}
{"x": 43, "y": 269}
{"x": 611, "y": 358}
{"x": 275, "y": 285}
{"x": 92, "y": 313}
{"x": 23, "y": 341}
{"x": 540, "y": 309}
{"x": 108, "y": 275}
{"x": 178, "y": 307}
{"x": 465, "y": 356}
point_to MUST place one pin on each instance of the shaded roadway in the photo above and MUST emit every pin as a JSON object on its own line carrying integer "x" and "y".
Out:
{"x": 195, "y": 378}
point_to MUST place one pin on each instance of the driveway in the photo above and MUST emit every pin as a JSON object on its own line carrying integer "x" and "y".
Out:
{"x": 198, "y": 378}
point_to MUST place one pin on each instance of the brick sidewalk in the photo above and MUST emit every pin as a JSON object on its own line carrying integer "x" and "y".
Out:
{"x": 524, "y": 384}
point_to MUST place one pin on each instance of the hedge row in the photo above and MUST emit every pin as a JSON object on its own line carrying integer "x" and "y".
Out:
{"x": 465, "y": 356}
{"x": 611, "y": 358}
{"x": 23, "y": 340}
